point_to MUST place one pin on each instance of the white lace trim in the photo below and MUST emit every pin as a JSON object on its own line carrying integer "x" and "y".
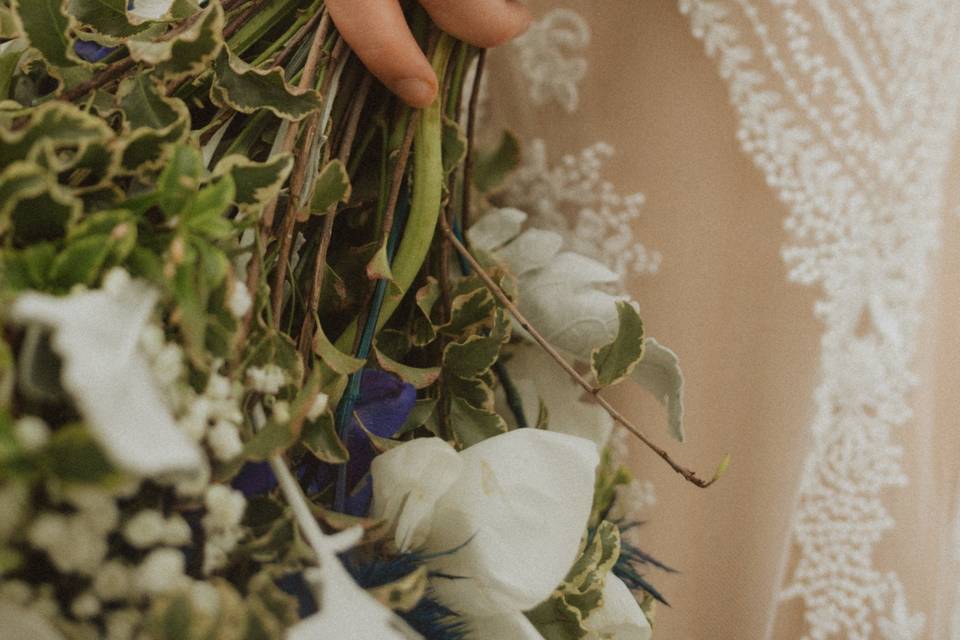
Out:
{"x": 572, "y": 198}
{"x": 547, "y": 61}
{"x": 848, "y": 109}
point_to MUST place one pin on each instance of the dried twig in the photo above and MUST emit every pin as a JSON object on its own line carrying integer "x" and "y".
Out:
{"x": 320, "y": 259}
{"x": 505, "y": 300}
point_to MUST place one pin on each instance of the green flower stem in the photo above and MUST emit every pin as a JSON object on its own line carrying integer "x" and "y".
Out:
{"x": 426, "y": 200}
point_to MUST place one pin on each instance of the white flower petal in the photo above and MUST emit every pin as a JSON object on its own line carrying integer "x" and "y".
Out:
{"x": 659, "y": 372}
{"x": 507, "y": 626}
{"x": 532, "y": 249}
{"x": 407, "y": 482}
{"x": 347, "y": 611}
{"x": 145, "y": 10}
{"x": 534, "y": 370}
{"x": 496, "y": 228}
{"x": 620, "y": 617}
{"x": 96, "y": 333}
{"x": 521, "y": 506}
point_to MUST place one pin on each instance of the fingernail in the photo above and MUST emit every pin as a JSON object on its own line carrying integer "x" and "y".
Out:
{"x": 415, "y": 91}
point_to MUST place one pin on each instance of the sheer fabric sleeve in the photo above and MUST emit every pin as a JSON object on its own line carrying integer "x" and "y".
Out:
{"x": 793, "y": 245}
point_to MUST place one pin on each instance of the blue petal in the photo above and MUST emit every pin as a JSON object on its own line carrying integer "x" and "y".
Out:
{"x": 384, "y": 405}
{"x": 92, "y": 51}
{"x": 254, "y": 479}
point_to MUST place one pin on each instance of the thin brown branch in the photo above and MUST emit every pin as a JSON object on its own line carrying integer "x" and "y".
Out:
{"x": 505, "y": 300}
{"x": 307, "y": 79}
{"x": 114, "y": 72}
{"x": 298, "y": 37}
{"x": 319, "y": 271}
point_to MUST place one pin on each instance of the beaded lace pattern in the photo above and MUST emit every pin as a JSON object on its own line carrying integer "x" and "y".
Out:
{"x": 571, "y": 197}
{"x": 848, "y": 109}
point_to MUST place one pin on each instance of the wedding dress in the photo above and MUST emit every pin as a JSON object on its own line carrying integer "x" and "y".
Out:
{"x": 796, "y": 244}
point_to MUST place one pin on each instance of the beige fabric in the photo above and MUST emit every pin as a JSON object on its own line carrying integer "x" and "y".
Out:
{"x": 747, "y": 338}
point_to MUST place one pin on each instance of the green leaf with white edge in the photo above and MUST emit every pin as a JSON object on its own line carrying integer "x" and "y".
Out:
{"x": 615, "y": 361}
{"x": 334, "y": 358}
{"x": 476, "y": 354}
{"x": 180, "y": 179}
{"x": 474, "y": 390}
{"x": 11, "y": 52}
{"x": 422, "y": 411}
{"x": 190, "y": 53}
{"x": 470, "y": 310}
{"x": 33, "y": 206}
{"x": 153, "y": 123}
{"x": 471, "y": 425}
{"x": 256, "y": 183}
{"x": 332, "y": 187}
{"x": 46, "y": 25}
{"x": 239, "y": 86}
{"x": 107, "y": 17}
{"x": 423, "y": 331}
{"x": 492, "y": 168}
{"x": 62, "y": 129}
{"x": 320, "y": 438}
{"x": 562, "y": 616}
{"x": 454, "y": 145}
{"x": 419, "y": 377}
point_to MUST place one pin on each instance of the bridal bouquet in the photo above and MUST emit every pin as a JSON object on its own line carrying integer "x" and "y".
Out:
{"x": 277, "y": 359}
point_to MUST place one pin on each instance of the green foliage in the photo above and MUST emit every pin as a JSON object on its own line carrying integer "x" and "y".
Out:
{"x": 162, "y": 159}
{"x": 615, "y": 361}
{"x": 247, "y": 89}
{"x": 189, "y": 53}
{"x": 332, "y": 187}
{"x": 493, "y": 167}
{"x": 561, "y": 616}
{"x": 45, "y": 25}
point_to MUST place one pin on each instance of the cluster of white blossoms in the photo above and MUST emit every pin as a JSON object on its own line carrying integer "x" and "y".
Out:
{"x": 225, "y": 507}
{"x": 129, "y": 383}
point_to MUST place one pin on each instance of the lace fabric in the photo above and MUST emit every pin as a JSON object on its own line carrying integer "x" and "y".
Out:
{"x": 848, "y": 109}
